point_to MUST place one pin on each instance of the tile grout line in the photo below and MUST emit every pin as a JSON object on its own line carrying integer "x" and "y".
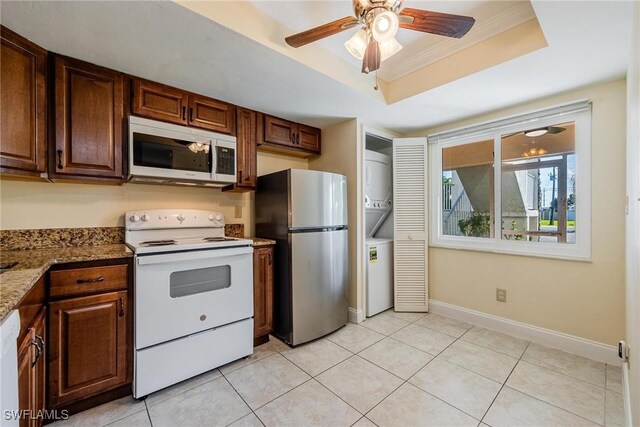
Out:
{"x": 245, "y": 402}
{"x": 504, "y": 383}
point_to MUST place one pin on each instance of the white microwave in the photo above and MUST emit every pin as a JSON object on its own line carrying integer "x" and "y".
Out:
{"x": 163, "y": 153}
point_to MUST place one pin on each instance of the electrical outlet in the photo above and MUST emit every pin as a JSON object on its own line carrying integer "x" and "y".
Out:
{"x": 501, "y": 295}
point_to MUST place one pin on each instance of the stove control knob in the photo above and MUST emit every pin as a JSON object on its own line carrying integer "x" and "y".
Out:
{"x": 212, "y": 217}
{"x": 181, "y": 217}
{"x": 145, "y": 217}
{"x": 219, "y": 217}
{"x": 134, "y": 218}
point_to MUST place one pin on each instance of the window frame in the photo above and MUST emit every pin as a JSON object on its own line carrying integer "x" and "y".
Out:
{"x": 580, "y": 250}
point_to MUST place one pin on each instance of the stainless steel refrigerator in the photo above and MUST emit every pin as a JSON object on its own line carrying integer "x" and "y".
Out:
{"x": 305, "y": 212}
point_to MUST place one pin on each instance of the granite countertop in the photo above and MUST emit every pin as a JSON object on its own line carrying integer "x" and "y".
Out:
{"x": 257, "y": 241}
{"x": 33, "y": 263}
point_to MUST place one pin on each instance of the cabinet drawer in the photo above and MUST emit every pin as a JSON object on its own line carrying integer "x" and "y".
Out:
{"x": 81, "y": 281}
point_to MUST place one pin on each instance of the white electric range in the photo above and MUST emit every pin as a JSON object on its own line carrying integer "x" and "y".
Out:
{"x": 193, "y": 295}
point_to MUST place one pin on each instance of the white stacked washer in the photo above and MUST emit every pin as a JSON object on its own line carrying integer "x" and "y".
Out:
{"x": 193, "y": 291}
{"x": 379, "y": 251}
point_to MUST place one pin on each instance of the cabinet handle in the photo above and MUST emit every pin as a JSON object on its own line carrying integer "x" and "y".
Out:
{"x": 38, "y": 352}
{"x": 239, "y": 176}
{"x": 298, "y": 138}
{"x": 95, "y": 280}
{"x": 270, "y": 260}
{"x": 190, "y": 114}
{"x": 59, "y": 159}
{"x": 184, "y": 113}
{"x": 121, "y": 307}
{"x": 39, "y": 338}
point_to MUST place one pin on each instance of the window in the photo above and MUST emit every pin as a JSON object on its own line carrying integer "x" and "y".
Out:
{"x": 520, "y": 185}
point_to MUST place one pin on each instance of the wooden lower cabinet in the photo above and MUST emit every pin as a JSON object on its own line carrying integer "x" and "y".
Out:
{"x": 88, "y": 351}
{"x": 32, "y": 356}
{"x": 262, "y": 294}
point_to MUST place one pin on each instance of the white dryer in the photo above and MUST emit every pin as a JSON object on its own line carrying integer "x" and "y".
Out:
{"x": 377, "y": 190}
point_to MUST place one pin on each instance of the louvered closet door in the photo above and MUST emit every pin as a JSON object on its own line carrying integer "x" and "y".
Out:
{"x": 410, "y": 224}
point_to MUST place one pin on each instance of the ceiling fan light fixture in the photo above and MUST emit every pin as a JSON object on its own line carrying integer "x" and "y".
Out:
{"x": 536, "y": 132}
{"x": 357, "y": 44}
{"x": 389, "y": 48}
{"x": 385, "y": 26}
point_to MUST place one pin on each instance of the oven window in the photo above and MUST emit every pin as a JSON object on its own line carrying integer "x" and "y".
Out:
{"x": 169, "y": 153}
{"x": 192, "y": 282}
{"x": 226, "y": 161}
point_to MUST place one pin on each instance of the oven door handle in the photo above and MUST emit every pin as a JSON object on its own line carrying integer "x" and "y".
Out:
{"x": 188, "y": 256}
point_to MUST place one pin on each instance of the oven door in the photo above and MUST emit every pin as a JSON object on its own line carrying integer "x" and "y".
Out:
{"x": 178, "y": 294}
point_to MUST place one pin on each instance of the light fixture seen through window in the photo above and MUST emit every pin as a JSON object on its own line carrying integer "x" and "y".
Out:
{"x": 536, "y": 132}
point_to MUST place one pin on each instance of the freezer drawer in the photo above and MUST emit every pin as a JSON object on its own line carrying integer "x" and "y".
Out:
{"x": 320, "y": 276}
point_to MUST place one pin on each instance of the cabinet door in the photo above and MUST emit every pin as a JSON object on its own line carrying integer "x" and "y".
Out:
{"x": 246, "y": 146}
{"x": 159, "y": 102}
{"x": 279, "y": 131}
{"x": 211, "y": 114}
{"x": 262, "y": 291}
{"x": 87, "y": 346}
{"x": 88, "y": 120}
{"x": 26, "y": 377}
{"x": 23, "y": 143}
{"x": 308, "y": 138}
{"x": 40, "y": 364}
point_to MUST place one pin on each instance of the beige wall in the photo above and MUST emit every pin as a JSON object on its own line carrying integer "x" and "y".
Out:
{"x": 30, "y": 204}
{"x": 585, "y": 299}
{"x": 339, "y": 148}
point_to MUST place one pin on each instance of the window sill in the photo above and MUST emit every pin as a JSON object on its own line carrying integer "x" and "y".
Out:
{"x": 492, "y": 248}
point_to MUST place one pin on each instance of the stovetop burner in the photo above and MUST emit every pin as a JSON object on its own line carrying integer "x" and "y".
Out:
{"x": 158, "y": 243}
{"x": 218, "y": 239}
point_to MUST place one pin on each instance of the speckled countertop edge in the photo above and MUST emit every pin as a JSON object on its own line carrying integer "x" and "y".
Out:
{"x": 258, "y": 241}
{"x": 32, "y": 264}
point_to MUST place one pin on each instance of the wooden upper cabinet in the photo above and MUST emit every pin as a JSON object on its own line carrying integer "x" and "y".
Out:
{"x": 23, "y": 139}
{"x": 88, "y": 346}
{"x": 279, "y": 131}
{"x": 210, "y": 114}
{"x": 159, "y": 102}
{"x": 308, "y": 138}
{"x": 246, "y": 148}
{"x": 88, "y": 121}
{"x": 286, "y": 137}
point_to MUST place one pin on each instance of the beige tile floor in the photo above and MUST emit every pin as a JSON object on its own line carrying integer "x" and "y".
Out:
{"x": 395, "y": 369}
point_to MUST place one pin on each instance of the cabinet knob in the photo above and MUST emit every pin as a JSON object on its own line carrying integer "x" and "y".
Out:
{"x": 59, "y": 159}
{"x": 121, "y": 314}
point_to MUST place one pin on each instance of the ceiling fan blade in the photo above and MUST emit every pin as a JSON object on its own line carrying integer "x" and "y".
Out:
{"x": 321, "y": 32}
{"x": 555, "y": 129}
{"x": 443, "y": 24}
{"x": 371, "y": 60}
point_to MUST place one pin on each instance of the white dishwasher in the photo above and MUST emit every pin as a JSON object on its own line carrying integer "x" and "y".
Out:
{"x": 9, "y": 330}
{"x": 379, "y": 275}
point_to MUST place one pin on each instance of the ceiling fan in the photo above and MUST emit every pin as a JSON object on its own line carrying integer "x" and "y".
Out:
{"x": 381, "y": 19}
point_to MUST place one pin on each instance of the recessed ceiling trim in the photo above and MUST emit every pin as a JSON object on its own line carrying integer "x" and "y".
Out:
{"x": 513, "y": 43}
{"x": 507, "y": 18}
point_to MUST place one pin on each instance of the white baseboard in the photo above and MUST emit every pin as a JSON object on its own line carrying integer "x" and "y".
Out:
{"x": 569, "y": 343}
{"x": 356, "y": 316}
